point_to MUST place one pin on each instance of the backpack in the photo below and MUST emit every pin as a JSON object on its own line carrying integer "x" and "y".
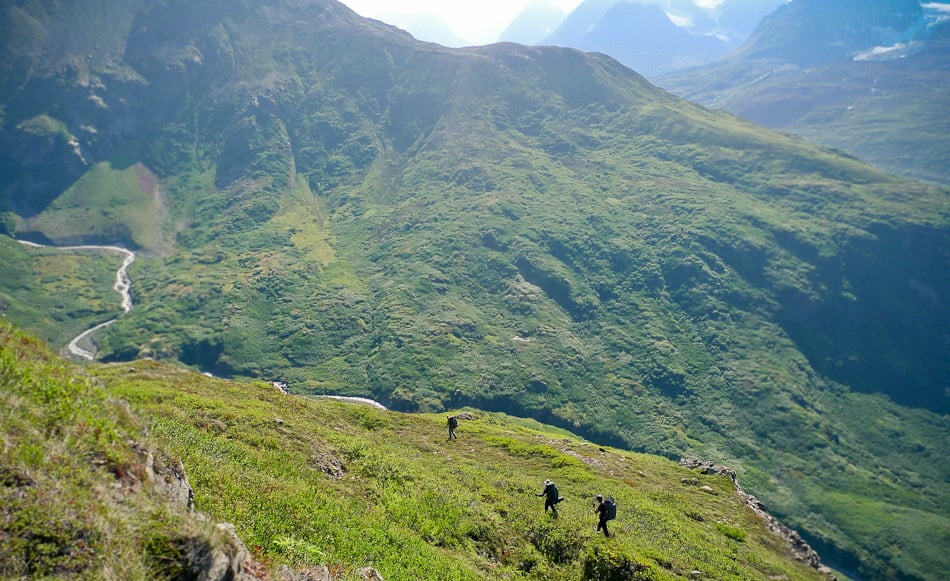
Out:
{"x": 611, "y": 507}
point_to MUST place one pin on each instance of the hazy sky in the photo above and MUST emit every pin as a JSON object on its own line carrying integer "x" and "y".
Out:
{"x": 475, "y": 21}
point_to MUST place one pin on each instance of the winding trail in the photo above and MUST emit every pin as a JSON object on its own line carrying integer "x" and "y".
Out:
{"x": 122, "y": 286}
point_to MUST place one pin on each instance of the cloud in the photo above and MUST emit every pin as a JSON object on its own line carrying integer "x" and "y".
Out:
{"x": 707, "y": 4}
{"x": 937, "y": 12}
{"x": 681, "y": 21}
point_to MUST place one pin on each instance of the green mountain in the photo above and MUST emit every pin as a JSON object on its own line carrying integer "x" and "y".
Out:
{"x": 317, "y": 486}
{"x": 865, "y": 77}
{"x": 320, "y": 200}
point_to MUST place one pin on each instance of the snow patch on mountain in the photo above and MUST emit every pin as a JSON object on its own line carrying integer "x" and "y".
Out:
{"x": 900, "y": 44}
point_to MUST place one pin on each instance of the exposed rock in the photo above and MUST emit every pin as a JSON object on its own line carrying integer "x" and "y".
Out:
{"x": 796, "y": 544}
{"x": 321, "y": 573}
{"x": 586, "y": 459}
{"x": 227, "y": 562}
{"x": 707, "y": 467}
{"x": 801, "y": 549}
{"x": 169, "y": 479}
{"x": 330, "y": 465}
{"x": 370, "y": 574}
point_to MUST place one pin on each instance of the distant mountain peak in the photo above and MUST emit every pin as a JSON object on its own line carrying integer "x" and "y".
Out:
{"x": 812, "y": 32}
{"x": 536, "y": 22}
{"x": 913, "y": 39}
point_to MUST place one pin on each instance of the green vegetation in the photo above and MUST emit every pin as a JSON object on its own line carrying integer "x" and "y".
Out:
{"x": 309, "y": 482}
{"x": 44, "y": 125}
{"x": 63, "y": 292}
{"x": 108, "y": 206}
{"x": 529, "y": 231}
{"x": 76, "y": 501}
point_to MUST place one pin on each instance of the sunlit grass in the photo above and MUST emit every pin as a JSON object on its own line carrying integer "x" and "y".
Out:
{"x": 309, "y": 481}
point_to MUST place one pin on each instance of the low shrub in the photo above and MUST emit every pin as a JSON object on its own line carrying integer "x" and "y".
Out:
{"x": 606, "y": 563}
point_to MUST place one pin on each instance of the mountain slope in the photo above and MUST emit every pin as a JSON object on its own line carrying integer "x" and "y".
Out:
{"x": 310, "y": 483}
{"x": 537, "y": 21}
{"x": 867, "y": 79}
{"x": 810, "y": 32}
{"x": 644, "y": 38}
{"x": 526, "y": 230}
{"x": 655, "y": 37}
{"x": 83, "y": 495}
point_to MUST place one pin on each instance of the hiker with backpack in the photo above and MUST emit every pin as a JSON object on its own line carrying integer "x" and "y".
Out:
{"x": 551, "y": 497}
{"x": 453, "y": 423}
{"x": 606, "y": 510}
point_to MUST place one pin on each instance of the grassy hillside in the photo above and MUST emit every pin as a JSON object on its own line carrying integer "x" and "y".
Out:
{"x": 79, "y": 498}
{"x": 62, "y": 292}
{"x": 315, "y": 482}
{"x": 106, "y": 205}
{"x": 532, "y": 231}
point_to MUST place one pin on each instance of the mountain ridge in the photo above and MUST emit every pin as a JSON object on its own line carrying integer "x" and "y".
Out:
{"x": 533, "y": 230}
{"x": 656, "y": 37}
{"x": 875, "y": 89}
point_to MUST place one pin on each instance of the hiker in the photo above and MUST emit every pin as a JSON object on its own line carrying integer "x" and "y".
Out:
{"x": 453, "y": 423}
{"x": 606, "y": 510}
{"x": 550, "y": 492}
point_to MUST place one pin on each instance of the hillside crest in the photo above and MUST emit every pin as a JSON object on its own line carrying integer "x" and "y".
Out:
{"x": 319, "y": 487}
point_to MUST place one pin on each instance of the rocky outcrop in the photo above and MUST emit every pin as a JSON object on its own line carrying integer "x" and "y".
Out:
{"x": 800, "y": 548}
{"x": 223, "y": 559}
{"x": 228, "y": 559}
{"x": 796, "y": 544}
{"x": 708, "y": 468}
{"x": 169, "y": 479}
{"x": 323, "y": 573}
{"x": 233, "y": 561}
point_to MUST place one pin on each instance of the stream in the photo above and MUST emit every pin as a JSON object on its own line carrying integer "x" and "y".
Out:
{"x": 122, "y": 285}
